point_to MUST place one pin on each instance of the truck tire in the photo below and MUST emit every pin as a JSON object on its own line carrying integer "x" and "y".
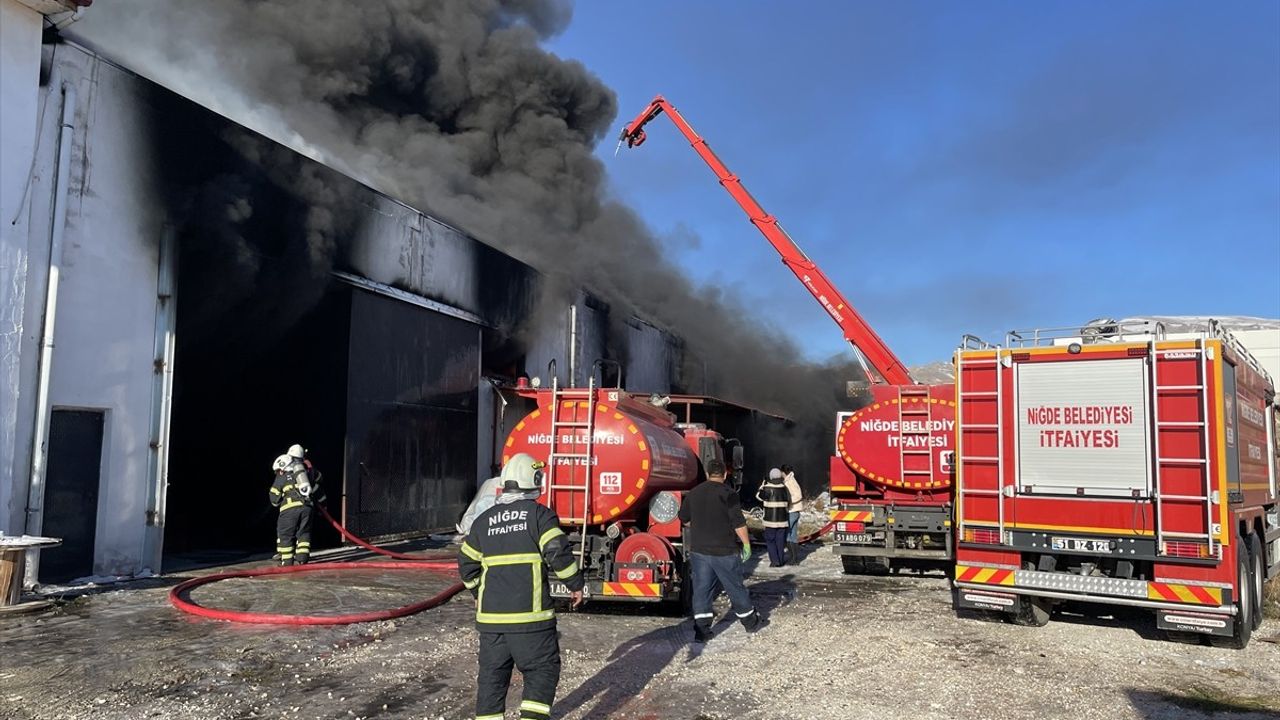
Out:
{"x": 852, "y": 565}
{"x": 1258, "y": 570}
{"x": 1242, "y": 625}
{"x": 1031, "y": 612}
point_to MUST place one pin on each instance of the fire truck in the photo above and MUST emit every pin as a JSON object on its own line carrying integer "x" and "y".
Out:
{"x": 617, "y": 468}
{"x": 1117, "y": 464}
{"x": 891, "y": 471}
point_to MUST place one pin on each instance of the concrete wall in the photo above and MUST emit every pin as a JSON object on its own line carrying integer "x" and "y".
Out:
{"x": 105, "y": 325}
{"x": 19, "y": 107}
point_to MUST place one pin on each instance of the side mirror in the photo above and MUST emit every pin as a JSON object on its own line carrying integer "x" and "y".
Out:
{"x": 738, "y": 457}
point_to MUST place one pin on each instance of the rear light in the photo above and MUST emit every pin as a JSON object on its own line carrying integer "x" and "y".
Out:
{"x": 635, "y": 575}
{"x": 853, "y": 527}
{"x": 982, "y": 535}
{"x": 1187, "y": 550}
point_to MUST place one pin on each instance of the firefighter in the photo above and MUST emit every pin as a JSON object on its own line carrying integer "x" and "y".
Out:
{"x": 773, "y": 494}
{"x": 502, "y": 562}
{"x": 295, "y": 491}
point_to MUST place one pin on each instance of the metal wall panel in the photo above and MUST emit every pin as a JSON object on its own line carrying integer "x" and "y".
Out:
{"x": 411, "y": 417}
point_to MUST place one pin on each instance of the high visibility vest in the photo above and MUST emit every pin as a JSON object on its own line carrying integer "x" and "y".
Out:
{"x": 507, "y": 560}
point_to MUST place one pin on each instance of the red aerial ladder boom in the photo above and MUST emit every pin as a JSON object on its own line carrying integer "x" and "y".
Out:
{"x": 855, "y": 329}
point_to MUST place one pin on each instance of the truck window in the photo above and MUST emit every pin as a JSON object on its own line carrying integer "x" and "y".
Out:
{"x": 708, "y": 450}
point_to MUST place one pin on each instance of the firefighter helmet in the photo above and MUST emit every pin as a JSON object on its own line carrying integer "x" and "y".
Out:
{"x": 296, "y": 451}
{"x": 281, "y": 463}
{"x": 522, "y": 473}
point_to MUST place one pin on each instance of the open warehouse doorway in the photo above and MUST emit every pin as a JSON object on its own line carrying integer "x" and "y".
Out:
{"x": 382, "y": 393}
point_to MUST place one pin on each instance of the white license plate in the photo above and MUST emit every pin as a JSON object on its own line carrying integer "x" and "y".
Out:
{"x": 856, "y": 538}
{"x": 1070, "y": 544}
{"x": 559, "y": 589}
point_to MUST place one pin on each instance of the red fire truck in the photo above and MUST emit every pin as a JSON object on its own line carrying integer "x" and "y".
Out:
{"x": 617, "y": 469}
{"x": 1117, "y": 464}
{"x": 891, "y": 471}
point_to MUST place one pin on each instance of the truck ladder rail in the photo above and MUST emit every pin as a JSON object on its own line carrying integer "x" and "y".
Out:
{"x": 1159, "y": 497}
{"x": 905, "y": 409}
{"x": 574, "y": 396}
{"x": 998, "y": 459}
{"x": 855, "y": 329}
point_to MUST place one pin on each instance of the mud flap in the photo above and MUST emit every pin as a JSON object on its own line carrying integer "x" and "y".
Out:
{"x": 970, "y": 599}
{"x": 1194, "y": 622}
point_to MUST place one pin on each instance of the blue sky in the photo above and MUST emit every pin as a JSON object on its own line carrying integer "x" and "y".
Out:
{"x": 958, "y": 167}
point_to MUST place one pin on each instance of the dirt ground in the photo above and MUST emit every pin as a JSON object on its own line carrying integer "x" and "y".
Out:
{"x": 836, "y": 647}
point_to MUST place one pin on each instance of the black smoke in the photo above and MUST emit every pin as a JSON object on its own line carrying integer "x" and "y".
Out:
{"x": 454, "y": 108}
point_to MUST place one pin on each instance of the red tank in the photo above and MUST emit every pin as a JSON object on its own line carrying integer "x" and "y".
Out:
{"x": 635, "y": 453}
{"x": 901, "y": 442}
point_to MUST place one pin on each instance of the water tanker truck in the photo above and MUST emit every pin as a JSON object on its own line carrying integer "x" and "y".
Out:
{"x": 617, "y": 470}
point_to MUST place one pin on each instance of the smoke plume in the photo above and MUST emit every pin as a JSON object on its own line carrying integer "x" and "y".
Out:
{"x": 454, "y": 108}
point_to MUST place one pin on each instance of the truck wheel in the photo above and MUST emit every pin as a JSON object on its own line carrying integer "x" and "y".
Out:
{"x": 1242, "y": 626}
{"x": 853, "y": 564}
{"x": 1258, "y": 571}
{"x": 682, "y": 606}
{"x": 1183, "y": 637}
{"x": 1031, "y": 612}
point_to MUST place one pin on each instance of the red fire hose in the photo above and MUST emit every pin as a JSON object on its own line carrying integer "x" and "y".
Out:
{"x": 814, "y": 536}
{"x": 407, "y": 562}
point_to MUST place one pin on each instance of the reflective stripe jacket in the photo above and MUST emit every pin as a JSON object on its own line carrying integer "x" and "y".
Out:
{"x": 773, "y": 494}
{"x": 505, "y": 561}
{"x": 284, "y": 492}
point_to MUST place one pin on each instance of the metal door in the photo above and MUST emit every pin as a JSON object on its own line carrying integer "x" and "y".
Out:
{"x": 71, "y": 493}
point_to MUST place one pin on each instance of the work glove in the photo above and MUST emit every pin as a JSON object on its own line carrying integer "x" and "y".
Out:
{"x": 745, "y": 555}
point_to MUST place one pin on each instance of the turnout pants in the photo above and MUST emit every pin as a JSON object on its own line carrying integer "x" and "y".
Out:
{"x": 710, "y": 573}
{"x": 536, "y": 654}
{"x": 776, "y": 540}
{"x": 293, "y": 535}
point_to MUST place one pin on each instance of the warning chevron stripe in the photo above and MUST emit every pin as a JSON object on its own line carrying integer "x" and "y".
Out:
{"x": 619, "y": 589}
{"x": 986, "y": 575}
{"x": 851, "y": 515}
{"x": 1174, "y": 592}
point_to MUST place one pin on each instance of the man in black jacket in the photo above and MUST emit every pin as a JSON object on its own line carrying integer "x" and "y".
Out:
{"x": 718, "y": 547}
{"x": 502, "y": 563}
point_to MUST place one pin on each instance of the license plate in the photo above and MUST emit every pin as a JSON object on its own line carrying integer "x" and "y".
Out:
{"x": 855, "y": 538}
{"x": 559, "y": 589}
{"x": 1089, "y": 545}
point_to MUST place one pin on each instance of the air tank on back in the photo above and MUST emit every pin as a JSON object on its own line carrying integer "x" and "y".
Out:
{"x": 635, "y": 453}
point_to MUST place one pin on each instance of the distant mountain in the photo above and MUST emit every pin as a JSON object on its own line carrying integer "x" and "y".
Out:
{"x": 1191, "y": 323}
{"x": 934, "y": 373}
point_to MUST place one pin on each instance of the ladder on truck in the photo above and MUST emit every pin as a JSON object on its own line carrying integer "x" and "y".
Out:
{"x": 569, "y": 452}
{"x": 963, "y": 460}
{"x": 1202, "y": 355}
{"x": 914, "y": 406}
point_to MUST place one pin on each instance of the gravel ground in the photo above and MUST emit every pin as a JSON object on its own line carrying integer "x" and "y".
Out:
{"x": 836, "y": 647}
